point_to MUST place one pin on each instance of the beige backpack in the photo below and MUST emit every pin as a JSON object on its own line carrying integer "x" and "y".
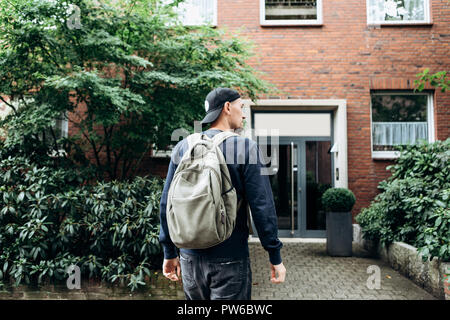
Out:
{"x": 202, "y": 201}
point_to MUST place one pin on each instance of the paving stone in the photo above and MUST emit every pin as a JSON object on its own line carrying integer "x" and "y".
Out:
{"x": 312, "y": 274}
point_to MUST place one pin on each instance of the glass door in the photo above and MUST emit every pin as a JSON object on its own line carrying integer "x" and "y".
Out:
{"x": 282, "y": 162}
{"x": 300, "y": 170}
{"x": 284, "y": 183}
{"x": 317, "y": 166}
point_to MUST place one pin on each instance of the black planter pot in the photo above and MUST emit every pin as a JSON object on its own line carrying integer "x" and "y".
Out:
{"x": 339, "y": 234}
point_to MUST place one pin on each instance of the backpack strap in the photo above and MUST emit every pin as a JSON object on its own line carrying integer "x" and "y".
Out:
{"x": 221, "y": 136}
{"x": 218, "y": 139}
{"x": 191, "y": 139}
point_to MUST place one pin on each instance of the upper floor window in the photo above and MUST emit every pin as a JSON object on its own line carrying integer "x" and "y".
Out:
{"x": 60, "y": 129}
{"x": 400, "y": 118}
{"x": 398, "y": 11}
{"x": 291, "y": 12}
{"x": 198, "y": 12}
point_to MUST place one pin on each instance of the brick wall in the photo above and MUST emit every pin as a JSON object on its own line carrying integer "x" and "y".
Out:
{"x": 157, "y": 288}
{"x": 345, "y": 59}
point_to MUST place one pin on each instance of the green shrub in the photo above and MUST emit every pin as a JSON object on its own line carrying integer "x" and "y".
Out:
{"x": 338, "y": 200}
{"x": 49, "y": 220}
{"x": 414, "y": 202}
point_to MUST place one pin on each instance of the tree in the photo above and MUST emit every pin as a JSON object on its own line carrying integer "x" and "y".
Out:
{"x": 127, "y": 71}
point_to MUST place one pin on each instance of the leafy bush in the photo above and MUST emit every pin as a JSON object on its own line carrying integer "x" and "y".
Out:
{"x": 414, "y": 202}
{"x": 48, "y": 221}
{"x": 338, "y": 200}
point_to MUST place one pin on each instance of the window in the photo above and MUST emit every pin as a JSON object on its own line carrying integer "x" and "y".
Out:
{"x": 198, "y": 12}
{"x": 291, "y": 12}
{"x": 400, "y": 119}
{"x": 4, "y": 111}
{"x": 398, "y": 11}
{"x": 60, "y": 130}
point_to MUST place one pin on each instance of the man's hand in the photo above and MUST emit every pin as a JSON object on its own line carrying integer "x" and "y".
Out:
{"x": 172, "y": 269}
{"x": 278, "y": 273}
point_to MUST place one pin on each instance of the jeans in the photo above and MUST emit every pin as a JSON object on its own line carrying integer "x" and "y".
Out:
{"x": 206, "y": 278}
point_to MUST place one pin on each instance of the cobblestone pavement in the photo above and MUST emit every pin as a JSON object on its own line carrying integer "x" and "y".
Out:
{"x": 313, "y": 275}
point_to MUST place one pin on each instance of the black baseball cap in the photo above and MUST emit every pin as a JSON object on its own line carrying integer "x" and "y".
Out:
{"x": 215, "y": 101}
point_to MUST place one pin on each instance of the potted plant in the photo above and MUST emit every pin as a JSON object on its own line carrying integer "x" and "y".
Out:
{"x": 338, "y": 203}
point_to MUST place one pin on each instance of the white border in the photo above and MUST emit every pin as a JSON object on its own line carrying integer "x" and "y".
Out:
{"x": 264, "y": 22}
{"x": 387, "y": 155}
{"x": 339, "y": 108}
{"x": 427, "y": 19}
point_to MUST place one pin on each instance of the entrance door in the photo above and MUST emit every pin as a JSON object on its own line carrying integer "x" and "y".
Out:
{"x": 300, "y": 170}
{"x": 285, "y": 185}
{"x": 316, "y": 168}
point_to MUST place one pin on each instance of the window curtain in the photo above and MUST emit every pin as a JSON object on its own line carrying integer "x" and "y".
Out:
{"x": 196, "y": 12}
{"x": 412, "y": 9}
{"x": 399, "y": 133}
{"x": 415, "y": 9}
{"x": 376, "y": 10}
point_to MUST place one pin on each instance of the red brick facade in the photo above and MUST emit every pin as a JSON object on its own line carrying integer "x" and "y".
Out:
{"x": 345, "y": 59}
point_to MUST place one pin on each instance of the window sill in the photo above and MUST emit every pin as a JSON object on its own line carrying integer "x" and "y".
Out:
{"x": 276, "y": 23}
{"x": 161, "y": 155}
{"x": 194, "y": 26}
{"x": 60, "y": 153}
{"x": 398, "y": 24}
{"x": 385, "y": 155}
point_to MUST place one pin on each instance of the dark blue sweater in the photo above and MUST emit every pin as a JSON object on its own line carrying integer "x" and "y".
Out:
{"x": 244, "y": 164}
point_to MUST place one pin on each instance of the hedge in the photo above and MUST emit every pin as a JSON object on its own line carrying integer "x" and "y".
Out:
{"x": 49, "y": 220}
{"x": 414, "y": 203}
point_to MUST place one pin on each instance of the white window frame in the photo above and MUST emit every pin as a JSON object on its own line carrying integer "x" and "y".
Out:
{"x": 427, "y": 19}
{"x": 264, "y": 22}
{"x": 64, "y": 134}
{"x": 214, "y": 19}
{"x": 387, "y": 155}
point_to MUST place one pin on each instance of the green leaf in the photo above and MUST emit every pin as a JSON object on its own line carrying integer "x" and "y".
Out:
{"x": 441, "y": 204}
{"x": 438, "y": 222}
{"x": 21, "y": 196}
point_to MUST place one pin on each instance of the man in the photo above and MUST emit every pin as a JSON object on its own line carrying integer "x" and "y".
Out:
{"x": 223, "y": 271}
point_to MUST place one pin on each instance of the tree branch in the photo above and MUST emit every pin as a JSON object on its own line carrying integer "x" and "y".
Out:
{"x": 9, "y": 105}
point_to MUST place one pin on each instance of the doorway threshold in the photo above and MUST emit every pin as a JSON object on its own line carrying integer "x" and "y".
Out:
{"x": 292, "y": 240}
